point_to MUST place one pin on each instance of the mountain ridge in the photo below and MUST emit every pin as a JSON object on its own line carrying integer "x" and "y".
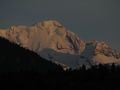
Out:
{"x": 57, "y": 36}
{"x": 14, "y": 58}
{"x": 53, "y": 35}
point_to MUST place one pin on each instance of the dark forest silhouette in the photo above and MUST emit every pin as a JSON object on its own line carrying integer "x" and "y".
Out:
{"x": 20, "y": 67}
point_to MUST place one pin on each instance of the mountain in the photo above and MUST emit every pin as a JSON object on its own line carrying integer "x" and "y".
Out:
{"x": 47, "y": 34}
{"x": 99, "y": 52}
{"x": 53, "y": 41}
{"x": 14, "y": 58}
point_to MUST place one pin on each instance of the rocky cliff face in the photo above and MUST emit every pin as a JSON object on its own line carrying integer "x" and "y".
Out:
{"x": 53, "y": 41}
{"x": 47, "y": 34}
{"x": 100, "y": 52}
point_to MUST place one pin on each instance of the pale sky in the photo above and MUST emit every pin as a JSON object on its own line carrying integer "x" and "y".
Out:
{"x": 90, "y": 19}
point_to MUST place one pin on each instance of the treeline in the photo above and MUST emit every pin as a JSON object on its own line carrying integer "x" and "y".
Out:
{"x": 99, "y": 77}
{"x": 21, "y": 68}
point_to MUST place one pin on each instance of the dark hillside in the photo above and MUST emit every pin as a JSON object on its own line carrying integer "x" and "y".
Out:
{"x": 14, "y": 58}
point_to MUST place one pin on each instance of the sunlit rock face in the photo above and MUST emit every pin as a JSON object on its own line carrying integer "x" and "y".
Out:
{"x": 3, "y": 33}
{"x": 53, "y": 41}
{"x": 99, "y": 52}
{"x": 47, "y": 34}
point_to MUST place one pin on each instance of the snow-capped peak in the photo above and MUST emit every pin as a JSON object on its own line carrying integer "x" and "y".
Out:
{"x": 51, "y": 38}
{"x": 47, "y": 34}
{"x": 100, "y": 52}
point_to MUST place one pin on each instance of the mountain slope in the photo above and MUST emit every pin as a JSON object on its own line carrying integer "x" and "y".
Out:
{"x": 17, "y": 59}
{"x": 53, "y": 41}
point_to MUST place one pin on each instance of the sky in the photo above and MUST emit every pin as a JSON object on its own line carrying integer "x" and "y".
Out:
{"x": 89, "y": 19}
